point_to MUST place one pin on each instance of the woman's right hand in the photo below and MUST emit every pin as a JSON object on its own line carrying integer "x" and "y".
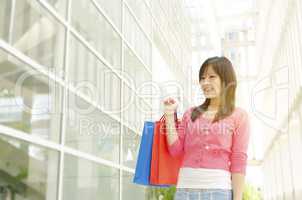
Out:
{"x": 170, "y": 106}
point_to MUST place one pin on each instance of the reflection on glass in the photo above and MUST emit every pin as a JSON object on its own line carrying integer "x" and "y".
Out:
{"x": 135, "y": 69}
{"x": 131, "y": 143}
{"x": 135, "y": 110}
{"x": 93, "y": 78}
{"x": 143, "y": 111}
{"x": 137, "y": 39}
{"x": 29, "y": 101}
{"x": 59, "y": 5}
{"x": 131, "y": 190}
{"x": 97, "y": 31}
{"x": 87, "y": 180}
{"x": 34, "y": 32}
{"x": 27, "y": 171}
{"x": 113, "y": 9}
{"x": 142, "y": 14}
{"x": 5, "y": 10}
{"x": 129, "y": 106}
{"x": 134, "y": 116}
{"x": 91, "y": 131}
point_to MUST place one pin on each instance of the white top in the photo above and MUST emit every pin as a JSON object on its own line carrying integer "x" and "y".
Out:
{"x": 204, "y": 178}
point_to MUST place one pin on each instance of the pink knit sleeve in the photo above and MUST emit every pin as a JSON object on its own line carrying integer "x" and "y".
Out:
{"x": 240, "y": 143}
{"x": 177, "y": 148}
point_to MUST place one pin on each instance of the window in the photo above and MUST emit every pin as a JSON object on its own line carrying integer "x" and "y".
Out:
{"x": 84, "y": 179}
{"x": 95, "y": 80}
{"x": 135, "y": 70}
{"x": 29, "y": 101}
{"x": 97, "y": 31}
{"x": 130, "y": 190}
{"x": 137, "y": 39}
{"x": 90, "y": 130}
{"x": 27, "y": 171}
{"x": 34, "y": 32}
{"x": 59, "y": 5}
{"x": 131, "y": 142}
{"x": 113, "y": 9}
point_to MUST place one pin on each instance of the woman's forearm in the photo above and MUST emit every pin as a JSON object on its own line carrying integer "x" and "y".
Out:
{"x": 171, "y": 130}
{"x": 238, "y": 180}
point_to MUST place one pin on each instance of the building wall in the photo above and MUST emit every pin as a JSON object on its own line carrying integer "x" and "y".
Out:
{"x": 279, "y": 50}
{"x": 75, "y": 89}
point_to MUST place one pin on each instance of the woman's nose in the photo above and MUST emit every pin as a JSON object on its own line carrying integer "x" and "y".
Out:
{"x": 205, "y": 81}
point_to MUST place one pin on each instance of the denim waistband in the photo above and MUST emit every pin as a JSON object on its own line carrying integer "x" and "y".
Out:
{"x": 203, "y": 189}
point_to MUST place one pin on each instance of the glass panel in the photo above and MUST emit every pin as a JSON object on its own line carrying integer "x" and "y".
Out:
{"x": 142, "y": 13}
{"x": 113, "y": 9}
{"x": 129, "y": 109}
{"x": 91, "y": 131}
{"x": 131, "y": 190}
{"x": 59, "y": 5}
{"x": 131, "y": 142}
{"x": 135, "y": 69}
{"x": 27, "y": 171}
{"x": 5, "y": 10}
{"x": 87, "y": 180}
{"x": 29, "y": 101}
{"x": 135, "y": 110}
{"x": 135, "y": 113}
{"x": 148, "y": 2}
{"x": 143, "y": 112}
{"x": 93, "y": 78}
{"x": 97, "y": 31}
{"x": 137, "y": 39}
{"x": 34, "y": 32}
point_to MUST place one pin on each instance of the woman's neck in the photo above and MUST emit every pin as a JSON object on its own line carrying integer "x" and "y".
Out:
{"x": 214, "y": 104}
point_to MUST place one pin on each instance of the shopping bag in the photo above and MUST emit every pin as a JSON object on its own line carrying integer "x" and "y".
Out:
{"x": 143, "y": 164}
{"x": 164, "y": 167}
{"x": 142, "y": 169}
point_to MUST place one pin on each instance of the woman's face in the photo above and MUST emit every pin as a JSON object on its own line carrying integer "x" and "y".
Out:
{"x": 210, "y": 83}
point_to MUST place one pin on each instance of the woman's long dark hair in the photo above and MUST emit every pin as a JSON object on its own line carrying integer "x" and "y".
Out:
{"x": 224, "y": 68}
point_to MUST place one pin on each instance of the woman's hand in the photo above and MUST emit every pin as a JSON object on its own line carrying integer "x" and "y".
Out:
{"x": 170, "y": 106}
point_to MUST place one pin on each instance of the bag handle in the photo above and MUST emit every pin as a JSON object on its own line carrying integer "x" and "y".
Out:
{"x": 163, "y": 121}
{"x": 163, "y": 118}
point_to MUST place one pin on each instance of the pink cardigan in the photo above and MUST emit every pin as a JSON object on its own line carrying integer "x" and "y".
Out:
{"x": 222, "y": 145}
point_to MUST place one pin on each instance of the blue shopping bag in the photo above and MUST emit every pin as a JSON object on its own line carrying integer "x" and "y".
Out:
{"x": 143, "y": 164}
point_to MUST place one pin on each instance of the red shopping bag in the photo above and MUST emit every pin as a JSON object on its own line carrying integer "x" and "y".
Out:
{"x": 164, "y": 167}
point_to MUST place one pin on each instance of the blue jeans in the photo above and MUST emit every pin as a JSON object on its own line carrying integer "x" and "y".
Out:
{"x": 203, "y": 194}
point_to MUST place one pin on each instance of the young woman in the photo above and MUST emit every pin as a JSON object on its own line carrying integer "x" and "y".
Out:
{"x": 213, "y": 137}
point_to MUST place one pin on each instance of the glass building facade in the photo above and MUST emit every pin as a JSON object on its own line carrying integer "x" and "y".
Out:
{"x": 71, "y": 96}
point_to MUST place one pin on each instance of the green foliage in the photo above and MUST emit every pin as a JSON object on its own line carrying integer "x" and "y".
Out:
{"x": 22, "y": 174}
{"x": 251, "y": 193}
{"x": 161, "y": 193}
